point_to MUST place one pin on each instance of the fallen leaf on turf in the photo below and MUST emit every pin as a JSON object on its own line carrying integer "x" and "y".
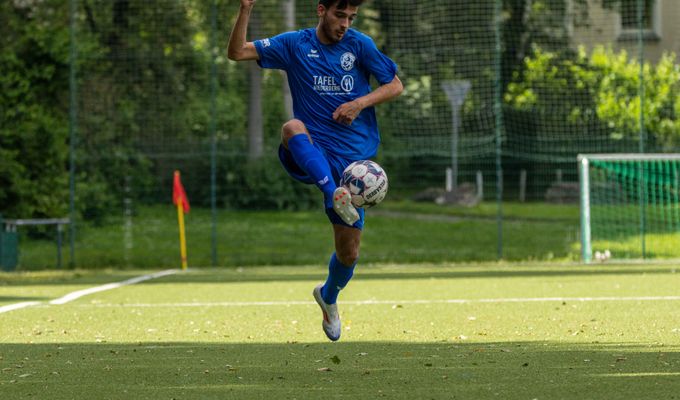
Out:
{"x": 324, "y": 369}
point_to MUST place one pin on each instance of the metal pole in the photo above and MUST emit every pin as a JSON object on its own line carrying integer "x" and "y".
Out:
{"x": 642, "y": 138}
{"x": 213, "y": 132}
{"x": 499, "y": 124}
{"x": 586, "y": 246}
{"x": 289, "y": 18}
{"x": 480, "y": 186}
{"x": 59, "y": 233}
{"x": 456, "y": 92}
{"x": 73, "y": 118}
{"x": 454, "y": 150}
{"x": 2, "y": 230}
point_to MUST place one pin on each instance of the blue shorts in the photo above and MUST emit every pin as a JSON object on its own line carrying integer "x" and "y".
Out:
{"x": 337, "y": 165}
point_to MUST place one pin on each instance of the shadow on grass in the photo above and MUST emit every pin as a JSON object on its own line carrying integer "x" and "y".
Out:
{"x": 306, "y": 274}
{"x": 290, "y": 274}
{"x": 13, "y": 299}
{"x": 67, "y": 277}
{"x": 343, "y": 370}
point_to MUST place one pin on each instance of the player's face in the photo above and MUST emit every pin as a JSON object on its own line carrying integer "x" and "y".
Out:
{"x": 334, "y": 22}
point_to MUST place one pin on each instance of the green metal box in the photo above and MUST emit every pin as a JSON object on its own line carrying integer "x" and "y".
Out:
{"x": 8, "y": 251}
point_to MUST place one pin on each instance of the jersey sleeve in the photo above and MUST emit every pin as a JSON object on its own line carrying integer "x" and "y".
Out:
{"x": 275, "y": 52}
{"x": 378, "y": 64}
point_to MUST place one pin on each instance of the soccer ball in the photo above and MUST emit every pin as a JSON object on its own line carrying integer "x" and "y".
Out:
{"x": 366, "y": 182}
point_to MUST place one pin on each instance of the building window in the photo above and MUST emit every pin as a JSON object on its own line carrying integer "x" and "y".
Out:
{"x": 630, "y": 25}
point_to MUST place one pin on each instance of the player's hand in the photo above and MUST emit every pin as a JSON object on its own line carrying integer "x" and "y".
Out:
{"x": 247, "y": 3}
{"x": 347, "y": 113}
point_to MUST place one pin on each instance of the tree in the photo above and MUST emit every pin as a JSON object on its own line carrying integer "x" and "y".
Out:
{"x": 255, "y": 131}
{"x": 33, "y": 109}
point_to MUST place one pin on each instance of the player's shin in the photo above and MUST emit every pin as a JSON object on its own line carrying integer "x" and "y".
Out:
{"x": 338, "y": 277}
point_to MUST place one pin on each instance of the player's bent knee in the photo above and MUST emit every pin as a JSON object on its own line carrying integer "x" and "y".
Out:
{"x": 292, "y": 128}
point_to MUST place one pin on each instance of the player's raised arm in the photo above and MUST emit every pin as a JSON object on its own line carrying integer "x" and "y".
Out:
{"x": 383, "y": 93}
{"x": 239, "y": 49}
{"x": 347, "y": 112}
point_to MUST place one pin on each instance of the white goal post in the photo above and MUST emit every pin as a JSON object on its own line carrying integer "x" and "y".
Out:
{"x": 652, "y": 186}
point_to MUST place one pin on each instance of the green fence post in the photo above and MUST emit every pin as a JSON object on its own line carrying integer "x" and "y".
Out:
{"x": 213, "y": 132}
{"x": 59, "y": 240}
{"x": 642, "y": 134}
{"x": 498, "y": 110}
{"x": 73, "y": 120}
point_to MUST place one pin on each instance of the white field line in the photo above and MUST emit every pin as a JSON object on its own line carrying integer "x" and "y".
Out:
{"x": 80, "y": 293}
{"x": 17, "y": 306}
{"x": 389, "y": 302}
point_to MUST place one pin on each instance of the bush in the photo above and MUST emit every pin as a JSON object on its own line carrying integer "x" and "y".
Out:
{"x": 598, "y": 96}
{"x": 264, "y": 184}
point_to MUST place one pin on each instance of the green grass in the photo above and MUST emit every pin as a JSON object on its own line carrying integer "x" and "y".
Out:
{"x": 657, "y": 245}
{"x": 185, "y": 336}
{"x": 396, "y": 231}
{"x": 511, "y": 210}
{"x": 402, "y": 232}
{"x": 618, "y": 228}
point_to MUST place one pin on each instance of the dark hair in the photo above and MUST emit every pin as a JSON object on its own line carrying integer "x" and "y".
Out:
{"x": 341, "y": 4}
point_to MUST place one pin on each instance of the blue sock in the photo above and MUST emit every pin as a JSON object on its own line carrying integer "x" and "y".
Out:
{"x": 310, "y": 159}
{"x": 338, "y": 276}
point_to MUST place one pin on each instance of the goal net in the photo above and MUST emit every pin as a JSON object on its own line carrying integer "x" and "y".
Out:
{"x": 630, "y": 206}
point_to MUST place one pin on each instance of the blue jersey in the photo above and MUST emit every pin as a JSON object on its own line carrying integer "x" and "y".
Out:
{"x": 322, "y": 77}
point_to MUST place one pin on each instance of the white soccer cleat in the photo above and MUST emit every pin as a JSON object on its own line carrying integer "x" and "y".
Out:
{"x": 331, "y": 319}
{"x": 342, "y": 204}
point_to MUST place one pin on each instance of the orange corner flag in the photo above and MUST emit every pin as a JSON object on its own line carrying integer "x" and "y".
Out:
{"x": 178, "y": 194}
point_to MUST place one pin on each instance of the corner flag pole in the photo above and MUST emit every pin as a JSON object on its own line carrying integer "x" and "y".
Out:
{"x": 179, "y": 197}
{"x": 182, "y": 236}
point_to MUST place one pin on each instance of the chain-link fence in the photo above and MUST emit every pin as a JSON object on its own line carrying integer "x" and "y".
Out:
{"x": 500, "y": 97}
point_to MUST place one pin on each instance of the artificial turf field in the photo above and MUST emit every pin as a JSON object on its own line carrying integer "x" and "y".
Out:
{"x": 490, "y": 331}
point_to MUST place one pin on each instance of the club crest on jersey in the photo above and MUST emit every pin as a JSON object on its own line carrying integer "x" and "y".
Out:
{"x": 347, "y": 61}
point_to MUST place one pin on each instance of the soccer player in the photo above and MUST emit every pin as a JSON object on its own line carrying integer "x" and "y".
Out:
{"x": 328, "y": 70}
